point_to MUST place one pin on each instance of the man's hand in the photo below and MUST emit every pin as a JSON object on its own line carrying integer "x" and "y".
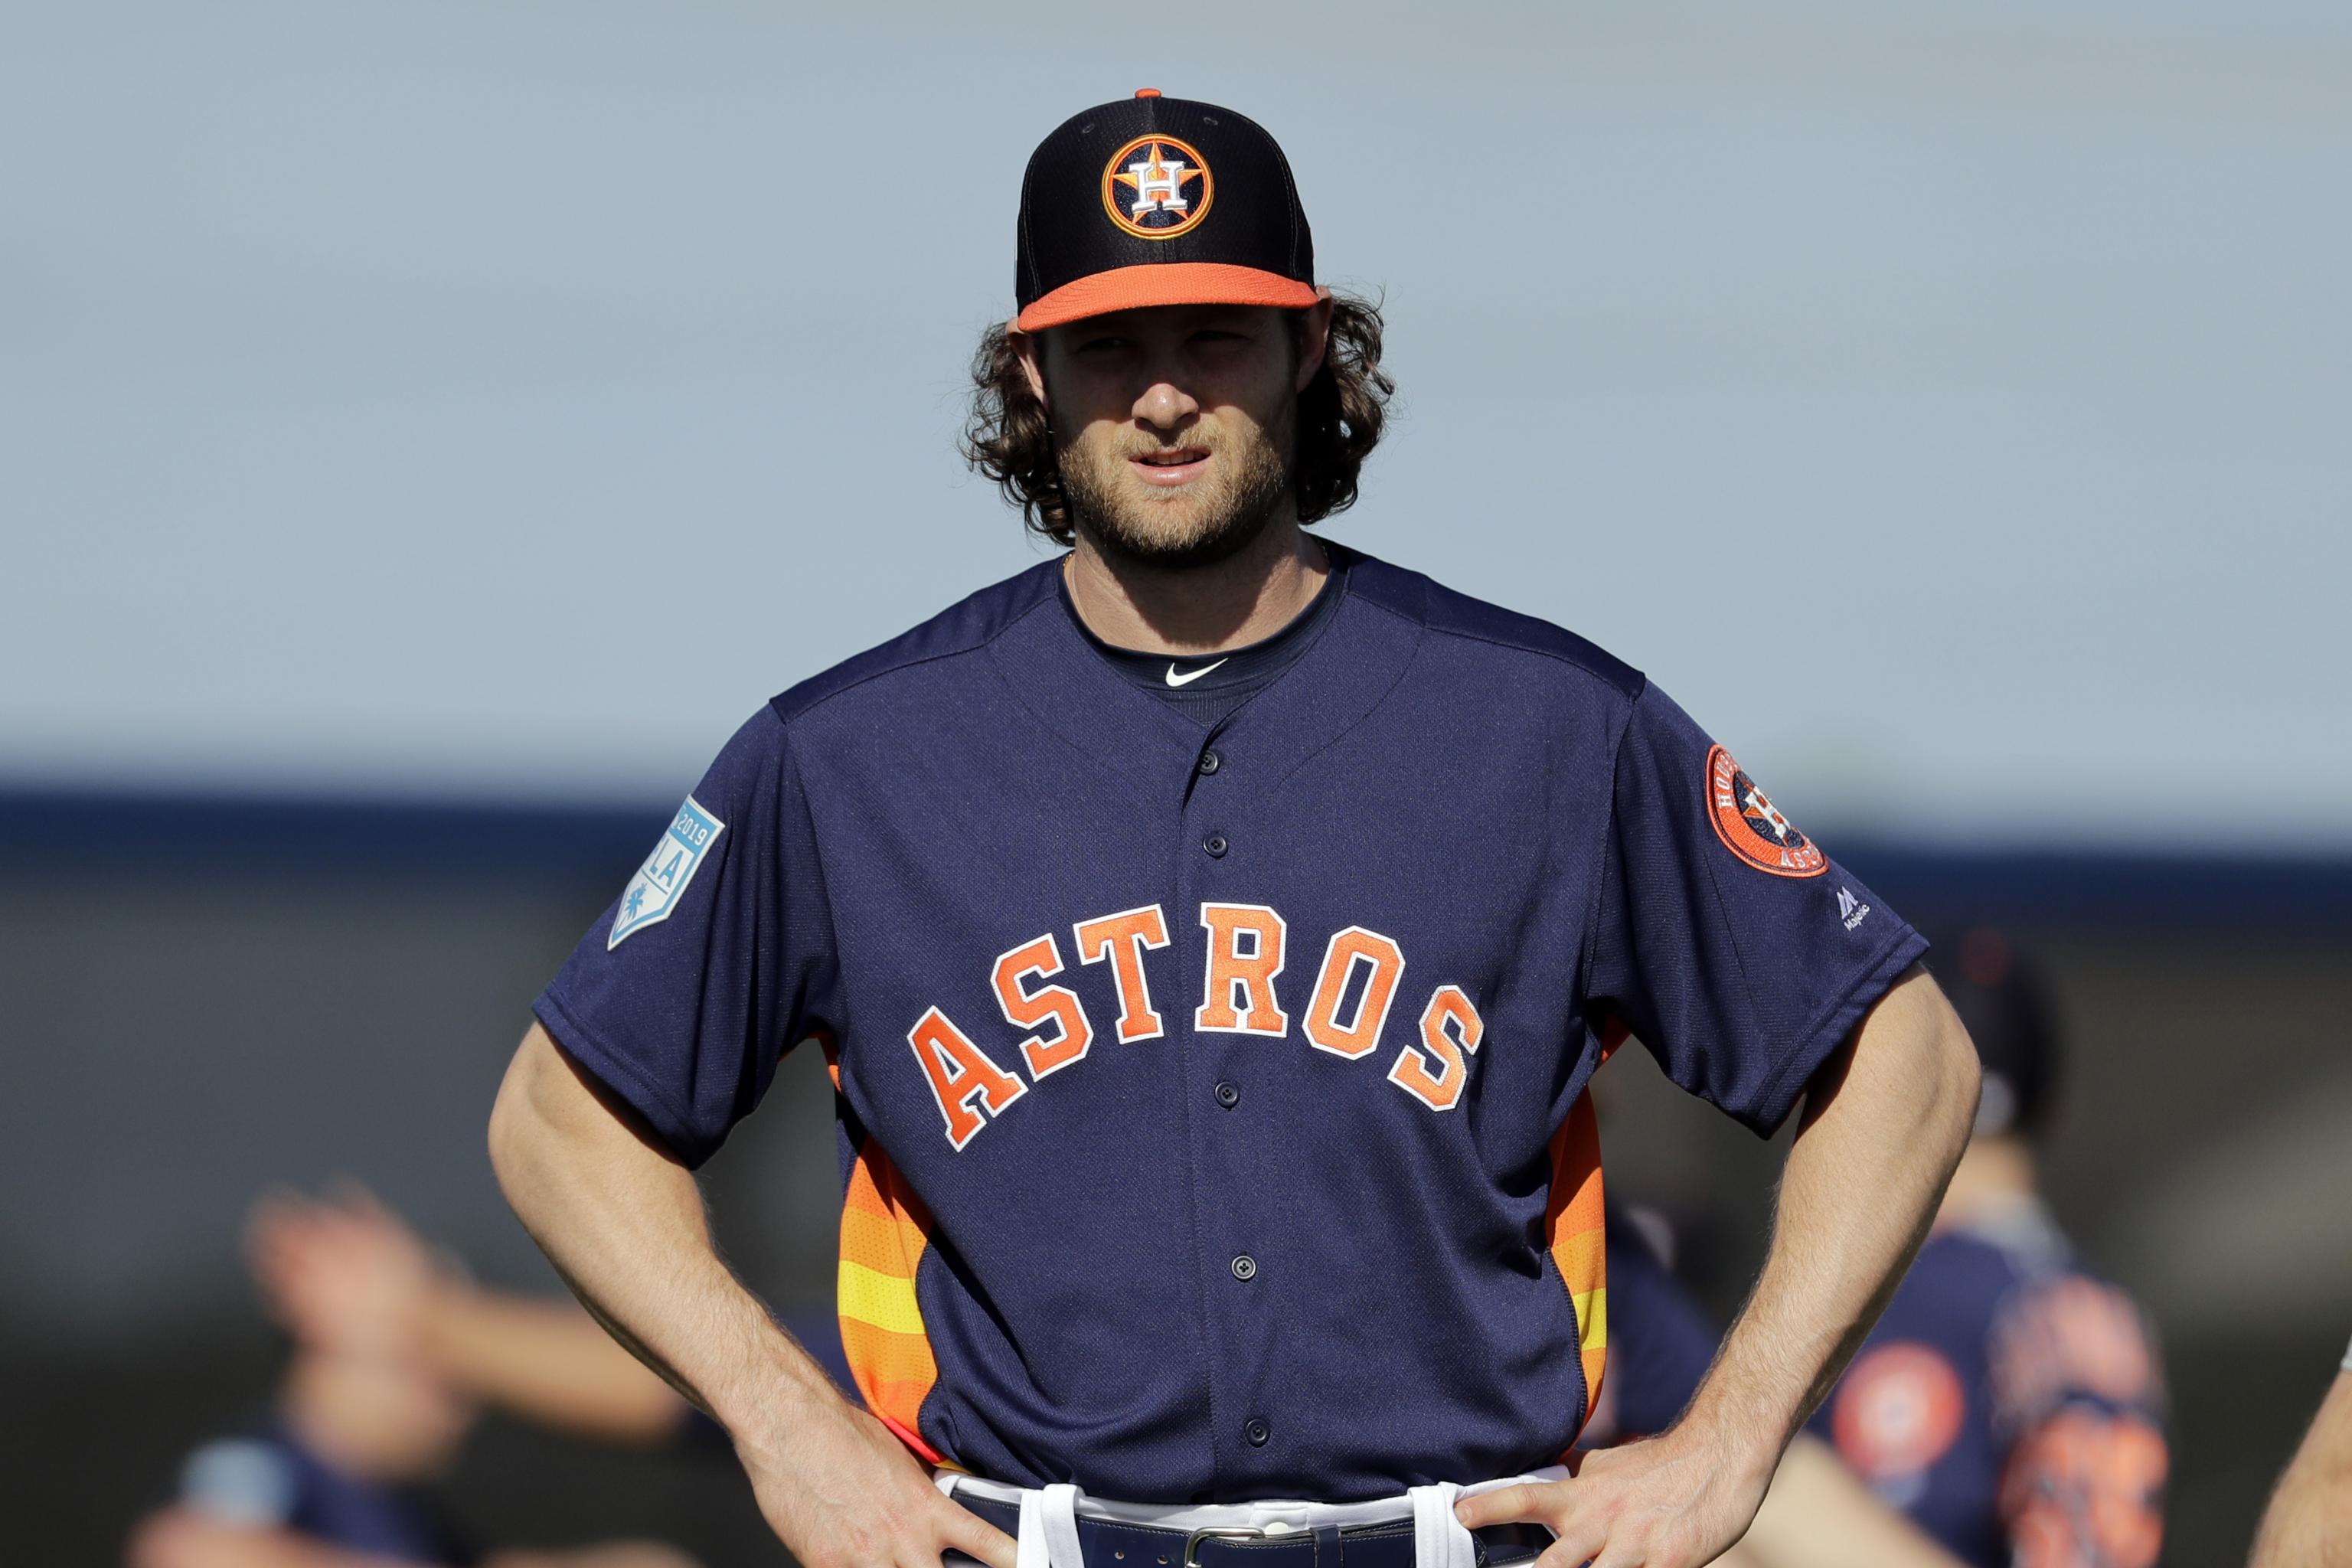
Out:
{"x": 1677, "y": 1500}
{"x": 843, "y": 1492}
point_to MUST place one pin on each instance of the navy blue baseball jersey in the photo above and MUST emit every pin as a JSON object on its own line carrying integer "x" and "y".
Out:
{"x": 1210, "y": 1097}
{"x": 2011, "y": 1404}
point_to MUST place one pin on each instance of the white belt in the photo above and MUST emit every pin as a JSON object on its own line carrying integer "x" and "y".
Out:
{"x": 1050, "y": 1515}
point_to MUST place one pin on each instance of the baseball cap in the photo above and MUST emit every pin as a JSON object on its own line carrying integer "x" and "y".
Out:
{"x": 1998, "y": 992}
{"x": 1158, "y": 201}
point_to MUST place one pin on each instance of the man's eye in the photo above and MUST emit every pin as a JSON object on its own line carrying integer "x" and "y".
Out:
{"x": 1102, "y": 345}
{"x": 1216, "y": 335}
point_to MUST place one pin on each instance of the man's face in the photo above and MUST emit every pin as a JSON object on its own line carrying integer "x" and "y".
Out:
{"x": 1175, "y": 426}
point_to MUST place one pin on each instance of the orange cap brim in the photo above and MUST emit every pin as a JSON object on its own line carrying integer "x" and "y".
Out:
{"x": 1164, "y": 283}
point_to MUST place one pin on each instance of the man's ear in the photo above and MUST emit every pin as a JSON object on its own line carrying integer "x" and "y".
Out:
{"x": 1314, "y": 338}
{"x": 1029, "y": 349}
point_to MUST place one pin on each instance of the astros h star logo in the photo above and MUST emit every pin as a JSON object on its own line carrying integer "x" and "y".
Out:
{"x": 1157, "y": 187}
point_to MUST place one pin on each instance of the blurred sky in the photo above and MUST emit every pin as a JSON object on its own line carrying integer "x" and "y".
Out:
{"x": 1949, "y": 405}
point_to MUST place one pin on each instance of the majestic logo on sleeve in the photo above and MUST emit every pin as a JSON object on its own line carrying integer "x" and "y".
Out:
{"x": 1157, "y": 187}
{"x": 661, "y": 881}
{"x": 1752, "y": 827}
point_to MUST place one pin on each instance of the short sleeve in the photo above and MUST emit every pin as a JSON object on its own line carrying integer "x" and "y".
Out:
{"x": 715, "y": 960}
{"x": 1725, "y": 939}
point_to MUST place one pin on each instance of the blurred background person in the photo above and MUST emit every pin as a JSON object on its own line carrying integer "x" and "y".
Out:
{"x": 2308, "y": 1523}
{"x": 393, "y": 1354}
{"x": 2009, "y": 1401}
{"x": 340, "y": 1473}
{"x": 349, "y": 1274}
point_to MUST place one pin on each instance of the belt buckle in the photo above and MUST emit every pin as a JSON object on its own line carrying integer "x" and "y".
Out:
{"x": 1228, "y": 1532}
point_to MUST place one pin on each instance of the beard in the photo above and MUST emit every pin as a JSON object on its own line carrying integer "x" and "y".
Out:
{"x": 1213, "y": 518}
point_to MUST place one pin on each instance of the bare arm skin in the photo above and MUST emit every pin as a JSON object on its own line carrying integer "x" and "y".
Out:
{"x": 2308, "y": 1523}
{"x": 623, "y": 1223}
{"x": 1817, "y": 1515}
{"x": 1884, "y": 1124}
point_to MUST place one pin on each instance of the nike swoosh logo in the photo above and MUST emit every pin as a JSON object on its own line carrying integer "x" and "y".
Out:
{"x": 1176, "y": 680}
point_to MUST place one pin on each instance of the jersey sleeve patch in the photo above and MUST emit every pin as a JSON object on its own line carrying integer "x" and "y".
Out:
{"x": 654, "y": 892}
{"x": 1752, "y": 827}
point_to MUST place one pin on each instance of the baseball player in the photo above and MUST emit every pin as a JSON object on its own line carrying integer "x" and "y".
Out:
{"x": 1211, "y": 932}
{"x": 2009, "y": 1402}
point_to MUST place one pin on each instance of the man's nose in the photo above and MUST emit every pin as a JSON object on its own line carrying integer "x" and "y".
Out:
{"x": 1165, "y": 405}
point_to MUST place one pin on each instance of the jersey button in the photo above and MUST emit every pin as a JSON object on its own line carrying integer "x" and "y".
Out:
{"x": 1211, "y": 762}
{"x": 1245, "y": 1267}
{"x": 1257, "y": 1433}
{"x": 1215, "y": 844}
{"x": 1228, "y": 1096}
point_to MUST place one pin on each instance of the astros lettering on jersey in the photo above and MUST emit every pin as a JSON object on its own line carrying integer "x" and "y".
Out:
{"x": 1210, "y": 1100}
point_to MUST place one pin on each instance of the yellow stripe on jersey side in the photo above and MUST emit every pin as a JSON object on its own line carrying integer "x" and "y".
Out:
{"x": 1592, "y": 1320}
{"x": 885, "y": 1230}
{"x": 1575, "y": 1230}
{"x": 883, "y": 1300}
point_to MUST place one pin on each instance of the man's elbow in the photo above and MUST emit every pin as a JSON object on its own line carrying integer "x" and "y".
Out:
{"x": 1958, "y": 1075}
{"x": 518, "y": 1129}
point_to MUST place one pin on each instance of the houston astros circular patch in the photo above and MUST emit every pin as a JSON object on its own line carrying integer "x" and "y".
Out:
{"x": 1157, "y": 187}
{"x": 1752, "y": 827}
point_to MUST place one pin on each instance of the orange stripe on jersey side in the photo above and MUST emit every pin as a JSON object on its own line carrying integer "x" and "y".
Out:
{"x": 884, "y": 1230}
{"x": 1574, "y": 1230}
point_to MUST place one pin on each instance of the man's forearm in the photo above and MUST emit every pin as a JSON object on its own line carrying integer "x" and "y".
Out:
{"x": 623, "y": 1224}
{"x": 1884, "y": 1123}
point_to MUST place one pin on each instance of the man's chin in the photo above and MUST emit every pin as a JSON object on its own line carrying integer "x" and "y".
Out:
{"x": 1158, "y": 536}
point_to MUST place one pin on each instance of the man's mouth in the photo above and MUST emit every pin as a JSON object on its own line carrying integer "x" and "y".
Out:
{"x": 1173, "y": 466}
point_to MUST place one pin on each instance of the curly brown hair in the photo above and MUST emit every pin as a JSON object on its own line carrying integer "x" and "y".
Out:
{"x": 1009, "y": 439}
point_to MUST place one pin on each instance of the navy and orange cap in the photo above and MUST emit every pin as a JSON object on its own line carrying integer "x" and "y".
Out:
{"x": 1158, "y": 201}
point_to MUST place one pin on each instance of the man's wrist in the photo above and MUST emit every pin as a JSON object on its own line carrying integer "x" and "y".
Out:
{"x": 776, "y": 1400}
{"x": 1746, "y": 1438}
